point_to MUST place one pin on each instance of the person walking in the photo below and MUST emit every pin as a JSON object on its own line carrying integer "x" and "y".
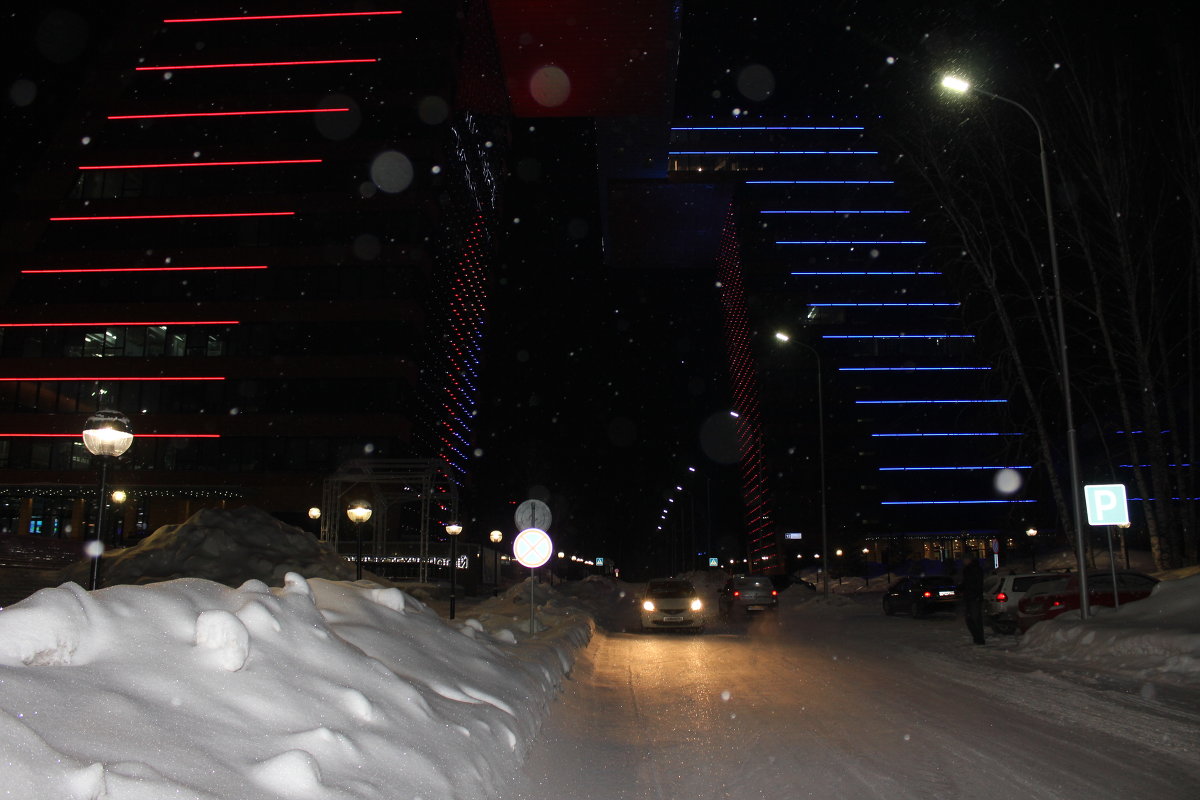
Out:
{"x": 972, "y": 594}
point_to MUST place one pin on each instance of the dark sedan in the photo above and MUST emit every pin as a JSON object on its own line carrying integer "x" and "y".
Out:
{"x": 921, "y": 595}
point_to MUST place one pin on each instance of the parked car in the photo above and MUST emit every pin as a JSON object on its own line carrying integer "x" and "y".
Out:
{"x": 1002, "y": 592}
{"x": 672, "y": 603}
{"x": 1048, "y": 600}
{"x": 747, "y": 593}
{"x": 921, "y": 595}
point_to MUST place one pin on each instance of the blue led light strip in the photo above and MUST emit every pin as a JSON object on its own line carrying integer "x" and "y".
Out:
{"x": 1130, "y": 466}
{"x": 907, "y": 369}
{"x": 771, "y": 128}
{"x": 914, "y": 402}
{"x": 899, "y": 336}
{"x": 884, "y": 305}
{"x": 931, "y": 469}
{"x": 843, "y": 183}
{"x": 834, "y": 211}
{"x": 913, "y": 435}
{"x": 773, "y": 152}
{"x": 862, "y": 274}
{"x": 947, "y": 502}
{"x": 854, "y": 241}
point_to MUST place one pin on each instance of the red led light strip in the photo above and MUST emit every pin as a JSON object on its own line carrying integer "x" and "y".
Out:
{"x": 227, "y": 113}
{"x": 62, "y": 271}
{"x": 138, "y": 436}
{"x": 99, "y": 324}
{"x": 204, "y": 164}
{"x": 286, "y": 16}
{"x": 178, "y": 216}
{"x": 259, "y": 64}
{"x": 108, "y": 378}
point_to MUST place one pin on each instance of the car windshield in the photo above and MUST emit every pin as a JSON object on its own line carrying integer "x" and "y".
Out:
{"x": 937, "y": 580}
{"x": 670, "y": 589}
{"x": 753, "y": 583}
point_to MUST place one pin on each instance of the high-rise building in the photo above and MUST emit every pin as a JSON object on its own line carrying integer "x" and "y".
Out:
{"x": 265, "y": 240}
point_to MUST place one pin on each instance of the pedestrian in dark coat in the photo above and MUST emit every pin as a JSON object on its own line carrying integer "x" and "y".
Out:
{"x": 972, "y": 594}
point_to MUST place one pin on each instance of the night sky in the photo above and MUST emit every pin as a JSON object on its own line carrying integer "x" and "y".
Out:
{"x": 598, "y": 382}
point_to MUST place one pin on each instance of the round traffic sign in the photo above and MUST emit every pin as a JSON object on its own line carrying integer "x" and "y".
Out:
{"x": 532, "y": 514}
{"x": 532, "y": 547}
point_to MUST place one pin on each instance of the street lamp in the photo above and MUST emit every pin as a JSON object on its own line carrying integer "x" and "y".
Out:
{"x": 106, "y": 435}
{"x": 118, "y": 497}
{"x": 454, "y": 529}
{"x": 961, "y": 86}
{"x": 358, "y": 512}
{"x": 496, "y": 537}
{"x": 1032, "y": 532}
{"x": 783, "y": 337}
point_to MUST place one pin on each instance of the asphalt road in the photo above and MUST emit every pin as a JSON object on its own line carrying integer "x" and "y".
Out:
{"x": 845, "y": 702}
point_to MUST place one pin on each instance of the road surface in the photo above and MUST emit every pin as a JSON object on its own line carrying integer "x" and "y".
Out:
{"x": 828, "y": 702}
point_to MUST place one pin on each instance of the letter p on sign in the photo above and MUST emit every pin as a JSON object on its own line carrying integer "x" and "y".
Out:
{"x": 1106, "y": 504}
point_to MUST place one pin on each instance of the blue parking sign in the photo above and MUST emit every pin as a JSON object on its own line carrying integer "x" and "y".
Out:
{"x": 1106, "y": 504}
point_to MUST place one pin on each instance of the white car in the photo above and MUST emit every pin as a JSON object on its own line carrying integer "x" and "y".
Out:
{"x": 672, "y": 603}
{"x": 1002, "y": 592}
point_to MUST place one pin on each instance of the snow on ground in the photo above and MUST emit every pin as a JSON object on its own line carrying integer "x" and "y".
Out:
{"x": 319, "y": 687}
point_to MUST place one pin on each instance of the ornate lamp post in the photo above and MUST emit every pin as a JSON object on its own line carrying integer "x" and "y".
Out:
{"x": 1032, "y": 532}
{"x": 496, "y": 537}
{"x": 454, "y": 529}
{"x": 106, "y": 435}
{"x": 358, "y": 512}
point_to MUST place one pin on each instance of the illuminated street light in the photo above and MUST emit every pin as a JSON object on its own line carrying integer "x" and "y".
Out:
{"x": 106, "y": 435}
{"x": 1032, "y": 548}
{"x": 961, "y": 86}
{"x": 784, "y": 337}
{"x": 496, "y": 537}
{"x": 454, "y": 529}
{"x": 358, "y": 512}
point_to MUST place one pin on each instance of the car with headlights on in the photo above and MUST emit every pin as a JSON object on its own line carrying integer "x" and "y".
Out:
{"x": 672, "y": 604}
{"x": 747, "y": 593}
{"x": 921, "y": 595}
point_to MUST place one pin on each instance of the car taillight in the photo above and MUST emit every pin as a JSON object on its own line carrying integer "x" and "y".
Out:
{"x": 926, "y": 593}
{"x": 774, "y": 593}
{"x": 1056, "y": 604}
{"x": 736, "y": 593}
{"x": 1001, "y": 597}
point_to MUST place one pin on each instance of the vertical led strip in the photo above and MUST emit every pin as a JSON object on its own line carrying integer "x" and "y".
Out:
{"x": 743, "y": 375}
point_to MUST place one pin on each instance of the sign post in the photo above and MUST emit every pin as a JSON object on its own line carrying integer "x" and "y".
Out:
{"x": 1108, "y": 506}
{"x": 532, "y": 549}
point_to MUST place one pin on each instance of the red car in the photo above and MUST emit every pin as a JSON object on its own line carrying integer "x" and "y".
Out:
{"x": 1049, "y": 600}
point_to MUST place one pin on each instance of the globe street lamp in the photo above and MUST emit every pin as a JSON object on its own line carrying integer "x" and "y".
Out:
{"x": 496, "y": 537}
{"x": 118, "y": 497}
{"x": 106, "y": 434}
{"x": 358, "y": 512}
{"x": 454, "y": 529}
{"x": 783, "y": 337}
{"x": 961, "y": 86}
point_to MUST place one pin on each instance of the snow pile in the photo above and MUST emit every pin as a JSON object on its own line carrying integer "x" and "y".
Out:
{"x": 317, "y": 689}
{"x": 1157, "y": 636}
{"x": 230, "y": 546}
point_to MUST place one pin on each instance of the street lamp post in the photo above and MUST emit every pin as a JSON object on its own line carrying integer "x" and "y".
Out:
{"x": 783, "y": 337}
{"x": 454, "y": 529}
{"x": 496, "y": 537}
{"x": 962, "y": 86}
{"x": 358, "y": 512}
{"x": 106, "y": 435}
{"x": 1032, "y": 532}
{"x": 118, "y": 497}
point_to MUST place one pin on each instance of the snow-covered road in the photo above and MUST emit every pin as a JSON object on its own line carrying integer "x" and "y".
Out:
{"x": 853, "y": 704}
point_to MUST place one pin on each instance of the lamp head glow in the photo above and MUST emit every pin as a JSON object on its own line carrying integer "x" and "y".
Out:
{"x": 783, "y": 337}
{"x": 359, "y": 511}
{"x": 314, "y": 513}
{"x": 1031, "y": 532}
{"x": 955, "y": 84}
{"x": 107, "y": 433}
{"x": 454, "y": 529}
{"x": 119, "y": 496}
{"x": 496, "y": 536}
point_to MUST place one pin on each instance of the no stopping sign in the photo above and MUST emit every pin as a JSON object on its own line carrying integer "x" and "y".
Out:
{"x": 532, "y": 547}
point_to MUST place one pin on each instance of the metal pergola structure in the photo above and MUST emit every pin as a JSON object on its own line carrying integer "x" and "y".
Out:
{"x": 404, "y": 489}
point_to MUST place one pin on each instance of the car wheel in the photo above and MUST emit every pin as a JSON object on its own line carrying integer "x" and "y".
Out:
{"x": 1004, "y": 627}
{"x": 916, "y": 610}
{"x": 888, "y": 607}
